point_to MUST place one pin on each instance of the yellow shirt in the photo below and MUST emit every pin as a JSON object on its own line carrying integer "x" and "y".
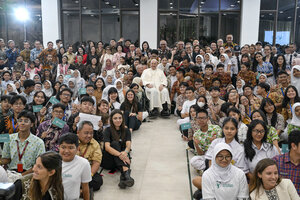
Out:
{"x": 93, "y": 153}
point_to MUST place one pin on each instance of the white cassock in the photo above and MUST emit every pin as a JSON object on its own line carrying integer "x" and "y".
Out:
{"x": 156, "y": 78}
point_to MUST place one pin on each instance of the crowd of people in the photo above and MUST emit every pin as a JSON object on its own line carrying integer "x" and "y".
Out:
{"x": 70, "y": 112}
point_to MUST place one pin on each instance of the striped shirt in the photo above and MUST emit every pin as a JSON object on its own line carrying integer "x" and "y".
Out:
{"x": 288, "y": 170}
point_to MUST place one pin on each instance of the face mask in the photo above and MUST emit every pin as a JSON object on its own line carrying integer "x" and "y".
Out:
{"x": 200, "y": 104}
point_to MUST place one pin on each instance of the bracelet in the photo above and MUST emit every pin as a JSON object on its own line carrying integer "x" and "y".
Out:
{"x": 126, "y": 151}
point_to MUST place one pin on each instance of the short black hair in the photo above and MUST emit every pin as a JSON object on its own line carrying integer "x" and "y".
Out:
{"x": 199, "y": 80}
{"x": 69, "y": 138}
{"x": 90, "y": 85}
{"x": 186, "y": 58}
{"x": 294, "y": 137}
{"x": 185, "y": 84}
{"x": 234, "y": 110}
{"x": 6, "y": 72}
{"x": 282, "y": 72}
{"x": 265, "y": 86}
{"x": 28, "y": 83}
{"x": 27, "y": 114}
{"x": 16, "y": 98}
{"x": 59, "y": 105}
{"x": 201, "y": 110}
{"x": 209, "y": 66}
{"x": 180, "y": 70}
{"x": 225, "y": 106}
{"x": 220, "y": 65}
{"x": 63, "y": 90}
{"x": 172, "y": 66}
{"x": 190, "y": 88}
{"x": 247, "y": 86}
{"x": 87, "y": 99}
{"x": 216, "y": 79}
{"x": 5, "y": 97}
{"x": 214, "y": 88}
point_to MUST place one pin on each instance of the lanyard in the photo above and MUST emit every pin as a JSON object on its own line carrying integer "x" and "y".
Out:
{"x": 249, "y": 115}
{"x": 13, "y": 125}
{"x": 18, "y": 148}
{"x": 282, "y": 92}
{"x": 291, "y": 108}
{"x": 268, "y": 94}
{"x": 82, "y": 155}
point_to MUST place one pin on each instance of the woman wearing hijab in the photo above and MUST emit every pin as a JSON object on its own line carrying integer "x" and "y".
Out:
{"x": 80, "y": 82}
{"x": 109, "y": 67}
{"x": 224, "y": 59}
{"x": 199, "y": 62}
{"x": 295, "y": 122}
{"x": 72, "y": 85}
{"x": 295, "y": 77}
{"x": 119, "y": 86}
{"x": 47, "y": 88}
{"x": 223, "y": 180}
{"x": 92, "y": 79}
{"x": 11, "y": 88}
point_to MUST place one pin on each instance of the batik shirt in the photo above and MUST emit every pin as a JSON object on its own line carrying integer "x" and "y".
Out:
{"x": 204, "y": 137}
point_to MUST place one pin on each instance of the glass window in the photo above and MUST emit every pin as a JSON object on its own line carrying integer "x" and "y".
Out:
{"x": 71, "y": 26}
{"x": 130, "y": 25}
{"x": 297, "y": 31}
{"x": 34, "y": 29}
{"x": 110, "y": 7}
{"x": 90, "y": 27}
{"x": 230, "y": 24}
{"x": 209, "y": 6}
{"x": 230, "y": 5}
{"x": 167, "y": 27}
{"x": 15, "y": 30}
{"x": 285, "y": 21}
{"x": 268, "y": 4}
{"x": 70, "y": 4}
{"x": 90, "y": 4}
{"x": 266, "y": 27}
{"x": 208, "y": 29}
{"x": 190, "y": 7}
{"x": 110, "y": 27}
{"x": 167, "y": 4}
{"x": 130, "y": 4}
{"x": 187, "y": 27}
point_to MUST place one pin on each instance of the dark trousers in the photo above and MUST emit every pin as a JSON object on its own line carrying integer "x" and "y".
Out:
{"x": 132, "y": 121}
{"x": 96, "y": 182}
{"x": 173, "y": 106}
{"x": 111, "y": 162}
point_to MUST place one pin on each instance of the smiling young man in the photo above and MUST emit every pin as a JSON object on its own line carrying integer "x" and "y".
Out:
{"x": 89, "y": 149}
{"x": 23, "y": 148}
{"x": 76, "y": 171}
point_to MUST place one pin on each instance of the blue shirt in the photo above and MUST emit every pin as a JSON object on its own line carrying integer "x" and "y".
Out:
{"x": 12, "y": 57}
{"x": 34, "y": 53}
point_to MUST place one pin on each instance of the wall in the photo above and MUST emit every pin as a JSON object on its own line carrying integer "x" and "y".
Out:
{"x": 250, "y": 21}
{"x": 50, "y": 20}
{"x": 148, "y": 22}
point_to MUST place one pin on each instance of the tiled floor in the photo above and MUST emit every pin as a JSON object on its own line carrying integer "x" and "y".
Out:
{"x": 159, "y": 166}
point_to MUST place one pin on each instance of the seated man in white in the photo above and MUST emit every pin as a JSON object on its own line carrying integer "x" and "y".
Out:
{"x": 156, "y": 90}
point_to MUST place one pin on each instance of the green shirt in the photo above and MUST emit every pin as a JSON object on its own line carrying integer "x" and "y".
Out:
{"x": 34, "y": 149}
{"x": 204, "y": 137}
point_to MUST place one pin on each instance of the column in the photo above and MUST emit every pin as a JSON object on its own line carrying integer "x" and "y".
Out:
{"x": 50, "y": 21}
{"x": 148, "y": 22}
{"x": 250, "y": 13}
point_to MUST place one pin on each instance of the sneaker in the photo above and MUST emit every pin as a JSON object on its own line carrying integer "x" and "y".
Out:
{"x": 197, "y": 195}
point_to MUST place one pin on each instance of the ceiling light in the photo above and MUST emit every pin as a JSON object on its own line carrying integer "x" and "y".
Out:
{"x": 171, "y": 3}
{"x": 232, "y": 5}
{"x": 84, "y": 7}
{"x": 22, "y": 14}
{"x": 270, "y": 14}
{"x": 171, "y": 7}
{"x": 281, "y": 12}
{"x": 289, "y": 17}
{"x": 202, "y": 2}
{"x": 106, "y": 2}
{"x": 238, "y": 1}
{"x": 114, "y": 6}
{"x": 136, "y": 4}
{"x": 76, "y": 1}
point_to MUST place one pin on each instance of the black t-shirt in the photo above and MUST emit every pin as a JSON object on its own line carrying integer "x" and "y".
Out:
{"x": 107, "y": 137}
{"x": 140, "y": 108}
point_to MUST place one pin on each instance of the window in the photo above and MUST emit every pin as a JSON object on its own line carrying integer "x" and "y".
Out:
{"x": 110, "y": 27}
{"x": 90, "y": 27}
{"x": 230, "y": 23}
{"x": 130, "y": 25}
{"x": 71, "y": 27}
{"x": 167, "y": 27}
{"x": 266, "y": 27}
{"x": 268, "y": 4}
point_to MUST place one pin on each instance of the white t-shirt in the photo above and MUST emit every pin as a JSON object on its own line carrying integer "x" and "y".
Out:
{"x": 186, "y": 106}
{"x": 236, "y": 188}
{"x": 73, "y": 174}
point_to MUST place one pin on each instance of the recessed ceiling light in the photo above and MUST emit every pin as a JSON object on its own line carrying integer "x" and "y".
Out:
{"x": 171, "y": 3}
{"x": 136, "y": 4}
{"x": 171, "y": 7}
{"x": 114, "y": 6}
{"x": 76, "y": 1}
{"x": 270, "y": 14}
{"x": 238, "y": 1}
{"x": 289, "y": 17}
{"x": 281, "y": 12}
{"x": 106, "y": 2}
{"x": 232, "y": 5}
{"x": 92, "y": 15}
{"x": 202, "y": 2}
{"x": 84, "y": 8}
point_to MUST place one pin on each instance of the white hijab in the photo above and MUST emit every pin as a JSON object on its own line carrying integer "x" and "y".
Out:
{"x": 240, "y": 90}
{"x": 295, "y": 119}
{"x": 49, "y": 91}
{"x": 294, "y": 80}
{"x": 14, "y": 87}
{"x": 105, "y": 92}
{"x": 222, "y": 174}
{"x": 120, "y": 91}
{"x": 79, "y": 81}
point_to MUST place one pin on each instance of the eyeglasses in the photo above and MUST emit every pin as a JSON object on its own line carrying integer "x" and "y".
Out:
{"x": 58, "y": 112}
{"x": 24, "y": 120}
{"x": 258, "y": 131}
{"x": 66, "y": 95}
{"x": 90, "y": 90}
{"x": 220, "y": 157}
{"x": 201, "y": 118}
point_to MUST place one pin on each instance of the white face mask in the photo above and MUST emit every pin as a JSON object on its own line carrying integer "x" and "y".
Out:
{"x": 200, "y": 104}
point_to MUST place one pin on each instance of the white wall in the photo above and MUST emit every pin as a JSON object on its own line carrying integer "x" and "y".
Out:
{"x": 148, "y": 22}
{"x": 51, "y": 21}
{"x": 249, "y": 21}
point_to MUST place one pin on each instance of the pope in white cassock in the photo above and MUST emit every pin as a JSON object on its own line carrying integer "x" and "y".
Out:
{"x": 156, "y": 89}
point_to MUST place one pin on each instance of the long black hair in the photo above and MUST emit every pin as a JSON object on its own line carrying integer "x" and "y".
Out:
{"x": 114, "y": 132}
{"x": 103, "y": 86}
{"x": 205, "y": 99}
{"x": 286, "y": 100}
{"x": 235, "y": 123}
{"x": 111, "y": 91}
{"x": 45, "y": 97}
{"x": 133, "y": 105}
{"x": 262, "y": 114}
{"x": 249, "y": 151}
{"x": 276, "y": 66}
{"x": 264, "y": 102}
